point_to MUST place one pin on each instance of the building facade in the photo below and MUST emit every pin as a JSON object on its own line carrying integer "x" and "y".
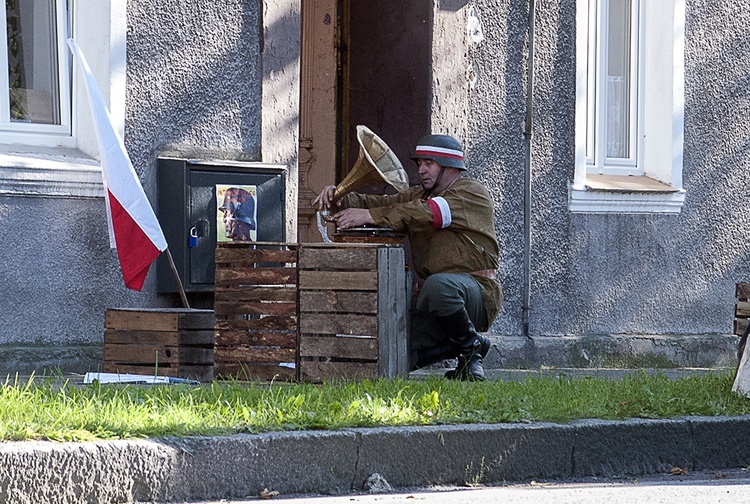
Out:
{"x": 617, "y": 185}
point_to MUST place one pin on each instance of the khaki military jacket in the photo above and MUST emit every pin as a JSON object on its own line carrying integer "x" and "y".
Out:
{"x": 449, "y": 232}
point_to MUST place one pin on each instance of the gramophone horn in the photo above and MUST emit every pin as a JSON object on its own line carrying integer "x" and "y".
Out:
{"x": 375, "y": 164}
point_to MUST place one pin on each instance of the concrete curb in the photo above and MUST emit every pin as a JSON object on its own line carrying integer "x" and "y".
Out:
{"x": 240, "y": 466}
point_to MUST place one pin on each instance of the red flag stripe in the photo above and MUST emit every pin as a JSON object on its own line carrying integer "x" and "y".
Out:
{"x": 135, "y": 249}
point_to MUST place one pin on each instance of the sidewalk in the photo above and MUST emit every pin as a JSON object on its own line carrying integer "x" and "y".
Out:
{"x": 241, "y": 466}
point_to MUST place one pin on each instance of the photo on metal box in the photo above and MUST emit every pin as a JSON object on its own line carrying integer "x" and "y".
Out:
{"x": 236, "y": 208}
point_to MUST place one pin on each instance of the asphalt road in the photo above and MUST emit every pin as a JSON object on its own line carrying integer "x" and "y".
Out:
{"x": 712, "y": 487}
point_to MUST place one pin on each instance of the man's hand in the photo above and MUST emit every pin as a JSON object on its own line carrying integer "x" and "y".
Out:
{"x": 352, "y": 217}
{"x": 325, "y": 198}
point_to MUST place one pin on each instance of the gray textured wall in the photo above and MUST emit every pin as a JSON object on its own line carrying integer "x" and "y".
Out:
{"x": 193, "y": 90}
{"x": 614, "y": 274}
{"x": 194, "y": 81}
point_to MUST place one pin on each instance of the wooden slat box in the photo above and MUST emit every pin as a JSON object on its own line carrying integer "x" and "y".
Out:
{"x": 174, "y": 342}
{"x": 256, "y": 311}
{"x": 741, "y": 382}
{"x": 353, "y": 311}
{"x": 741, "y": 308}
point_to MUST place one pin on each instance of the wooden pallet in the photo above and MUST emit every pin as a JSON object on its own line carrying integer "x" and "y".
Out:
{"x": 256, "y": 311}
{"x": 741, "y": 383}
{"x": 353, "y": 312}
{"x": 174, "y": 342}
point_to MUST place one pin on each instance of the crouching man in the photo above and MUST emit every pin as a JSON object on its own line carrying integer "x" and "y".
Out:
{"x": 449, "y": 219}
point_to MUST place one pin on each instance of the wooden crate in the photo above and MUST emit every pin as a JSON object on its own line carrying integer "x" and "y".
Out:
{"x": 353, "y": 312}
{"x": 741, "y": 382}
{"x": 174, "y": 342}
{"x": 256, "y": 311}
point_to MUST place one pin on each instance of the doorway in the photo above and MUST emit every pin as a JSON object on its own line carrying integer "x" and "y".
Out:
{"x": 362, "y": 62}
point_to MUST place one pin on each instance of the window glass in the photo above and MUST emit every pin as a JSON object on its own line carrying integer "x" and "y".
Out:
{"x": 618, "y": 92}
{"x": 33, "y": 78}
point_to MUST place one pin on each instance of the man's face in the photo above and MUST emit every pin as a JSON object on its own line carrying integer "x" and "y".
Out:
{"x": 235, "y": 229}
{"x": 428, "y": 173}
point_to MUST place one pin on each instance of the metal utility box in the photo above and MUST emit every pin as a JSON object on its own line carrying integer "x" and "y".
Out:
{"x": 191, "y": 219}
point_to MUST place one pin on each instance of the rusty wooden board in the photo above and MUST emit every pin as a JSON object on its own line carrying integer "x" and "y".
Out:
{"x": 256, "y": 338}
{"x": 248, "y": 256}
{"x": 254, "y": 371}
{"x": 254, "y": 293}
{"x": 338, "y": 280}
{"x": 230, "y": 309}
{"x": 342, "y": 323}
{"x": 742, "y": 309}
{"x": 173, "y": 338}
{"x": 742, "y": 291}
{"x": 334, "y": 301}
{"x": 158, "y": 319}
{"x": 234, "y": 277}
{"x": 248, "y": 354}
{"x": 155, "y": 354}
{"x": 339, "y": 347}
{"x": 336, "y": 258}
{"x": 740, "y": 325}
{"x": 319, "y": 371}
{"x": 196, "y": 372}
{"x": 269, "y": 323}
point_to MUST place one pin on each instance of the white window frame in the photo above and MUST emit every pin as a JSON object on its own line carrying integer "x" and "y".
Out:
{"x": 35, "y": 133}
{"x": 597, "y": 160}
{"x": 654, "y": 183}
{"x": 65, "y": 164}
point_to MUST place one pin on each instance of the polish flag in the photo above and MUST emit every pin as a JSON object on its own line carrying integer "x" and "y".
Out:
{"x": 133, "y": 228}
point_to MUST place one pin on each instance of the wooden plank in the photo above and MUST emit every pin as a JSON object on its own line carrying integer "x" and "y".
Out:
{"x": 338, "y": 347}
{"x": 158, "y": 319}
{"x": 142, "y": 369}
{"x": 243, "y": 354}
{"x": 124, "y": 337}
{"x": 393, "y": 358}
{"x": 166, "y": 354}
{"x": 255, "y": 276}
{"x": 251, "y": 293}
{"x": 203, "y": 319}
{"x": 338, "y": 301}
{"x": 256, "y": 338}
{"x": 318, "y": 371}
{"x": 271, "y": 323}
{"x": 140, "y": 320}
{"x": 739, "y": 326}
{"x": 340, "y": 280}
{"x": 742, "y": 291}
{"x": 250, "y": 256}
{"x": 224, "y": 309}
{"x": 341, "y": 257}
{"x": 742, "y": 309}
{"x": 360, "y": 325}
{"x": 202, "y": 373}
{"x": 174, "y": 338}
{"x": 254, "y": 371}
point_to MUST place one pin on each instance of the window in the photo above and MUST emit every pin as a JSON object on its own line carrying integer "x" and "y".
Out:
{"x": 629, "y": 107}
{"x": 47, "y": 142}
{"x": 36, "y": 92}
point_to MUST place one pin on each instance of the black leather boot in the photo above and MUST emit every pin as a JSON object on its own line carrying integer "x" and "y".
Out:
{"x": 437, "y": 353}
{"x": 472, "y": 346}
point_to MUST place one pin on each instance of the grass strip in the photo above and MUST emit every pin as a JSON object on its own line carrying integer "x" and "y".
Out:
{"x": 49, "y": 410}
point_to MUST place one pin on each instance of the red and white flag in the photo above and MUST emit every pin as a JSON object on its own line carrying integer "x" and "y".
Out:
{"x": 133, "y": 228}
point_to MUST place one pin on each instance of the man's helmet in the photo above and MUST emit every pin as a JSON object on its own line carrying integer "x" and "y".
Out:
{"x": 443, "y": 149}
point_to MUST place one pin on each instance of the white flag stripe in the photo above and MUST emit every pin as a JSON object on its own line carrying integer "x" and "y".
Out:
{"x": 120, "y": 176}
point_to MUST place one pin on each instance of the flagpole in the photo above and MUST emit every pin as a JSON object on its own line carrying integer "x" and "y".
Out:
{"x": 177, "y": 279}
